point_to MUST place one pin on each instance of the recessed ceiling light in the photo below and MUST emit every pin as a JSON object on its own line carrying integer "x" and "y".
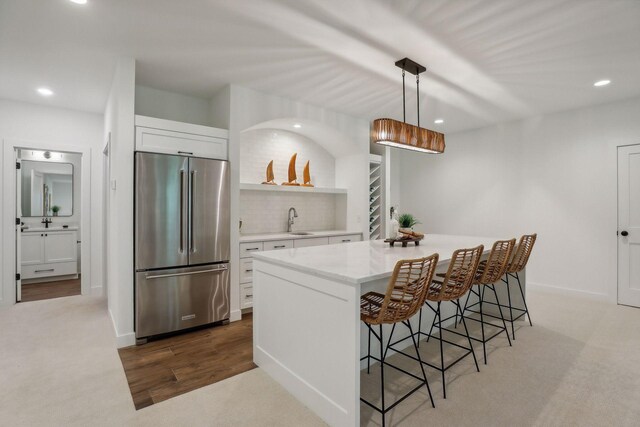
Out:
{"x": 45, "y": 91}
{"x": 438, "y": 121}
{"x": 297, "y": 126}
{"x": 601, "y": 83}
{"x": 78, "y": 1}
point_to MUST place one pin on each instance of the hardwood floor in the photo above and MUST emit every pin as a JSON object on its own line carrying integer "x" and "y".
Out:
{"x": 172, "y": 366}
{"x": 48, "y": 290}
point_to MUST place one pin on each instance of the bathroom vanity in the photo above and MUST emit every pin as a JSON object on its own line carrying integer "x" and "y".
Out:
{"x": 49, "y": 252}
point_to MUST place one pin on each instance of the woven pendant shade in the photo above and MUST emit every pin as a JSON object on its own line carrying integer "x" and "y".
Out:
{"x": 403, "y": 135}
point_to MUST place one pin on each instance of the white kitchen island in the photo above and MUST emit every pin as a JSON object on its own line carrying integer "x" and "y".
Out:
{"x": 307, "y": 333}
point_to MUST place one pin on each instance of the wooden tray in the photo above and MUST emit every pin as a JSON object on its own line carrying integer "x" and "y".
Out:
{"x": 404, "y": 242}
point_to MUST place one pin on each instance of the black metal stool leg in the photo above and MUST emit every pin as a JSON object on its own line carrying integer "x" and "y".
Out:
{"x": 444, "y": 384}
{"x": 513, "y": 330}
{"x": 420, "y": 327}
{"x": 432, "y": 324}
{"x": 424, "y": 375}
{"x": 369, "y": 350}
{"x": 493, "y": 288}
{"x": 465, "y": 303}
{"x": 484, "y": 344}
{"x": 473, "y": 353}
{"x": 524, "y": 300}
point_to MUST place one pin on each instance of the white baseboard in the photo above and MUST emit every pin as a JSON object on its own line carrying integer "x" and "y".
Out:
{"x": 595, "y": 296}
{"x": 235, "y": 315}
{"x": 124, "y": 340}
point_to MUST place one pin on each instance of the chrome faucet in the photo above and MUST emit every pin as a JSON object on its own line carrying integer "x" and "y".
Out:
{"x": 290, "y": 222}
{"x": 47, "y": 221}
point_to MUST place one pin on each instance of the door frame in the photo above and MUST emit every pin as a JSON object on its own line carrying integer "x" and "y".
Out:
{"x": 8, "y": 230}
{"x": 617, "y": 292}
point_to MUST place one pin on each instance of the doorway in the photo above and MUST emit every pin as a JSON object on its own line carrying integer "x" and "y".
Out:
{"x": 629, "y": 225}
{"x": 48, "y": 236}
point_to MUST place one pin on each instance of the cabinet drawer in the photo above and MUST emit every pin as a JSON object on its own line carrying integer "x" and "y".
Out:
{"x": 315, "y": 241}
{"x": 247, "y": 249}
{"x": 46, "y": 270}
{"x": 171, "y": 142}
{"x": 246, "y": 270}
{"x": 345, "y": 238}
{"x": 246, "y": 295}
{"x": 278, "y": 244}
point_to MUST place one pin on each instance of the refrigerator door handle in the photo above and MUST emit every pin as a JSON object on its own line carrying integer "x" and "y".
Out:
{"x": 211, "y": 270}
{"x": 182, "y": 211}
{"x": 192, "y": 245}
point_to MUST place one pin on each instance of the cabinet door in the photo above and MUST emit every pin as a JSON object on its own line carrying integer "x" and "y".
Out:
{"x": 278, "y": 244}
{"x": 32, "y": 251}
{"x": 315, "y": 241}
{"x": 60, "y": 246}
{"x": 345, "y": 238}
{"x": 170, "y": 142}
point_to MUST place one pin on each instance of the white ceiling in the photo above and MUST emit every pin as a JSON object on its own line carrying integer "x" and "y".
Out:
{"x": 488, "y": 61}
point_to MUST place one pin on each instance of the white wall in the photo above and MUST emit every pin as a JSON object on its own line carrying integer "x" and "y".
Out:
{"x": 167, "y": 105}
{"x": 555, "y": 175}
{"x": 20, "y": 121}
{"x": 119, "y": 127}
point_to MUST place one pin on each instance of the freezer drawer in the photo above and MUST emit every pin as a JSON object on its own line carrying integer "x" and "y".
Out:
{"x": 171, "y": 300}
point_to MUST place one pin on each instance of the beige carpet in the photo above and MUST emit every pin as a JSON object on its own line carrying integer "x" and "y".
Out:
{"x": 578, "y": 366}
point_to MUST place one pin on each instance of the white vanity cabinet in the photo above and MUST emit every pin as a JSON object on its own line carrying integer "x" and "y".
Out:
{"x": 248, "y": 248}
{"x": 47, "y": 253}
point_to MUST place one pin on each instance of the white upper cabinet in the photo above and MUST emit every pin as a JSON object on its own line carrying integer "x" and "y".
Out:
{"x": 170, "y": 137}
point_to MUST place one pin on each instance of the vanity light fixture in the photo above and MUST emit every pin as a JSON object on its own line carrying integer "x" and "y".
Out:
{"x": 297, "y": 126}
{"x": 44, "y": 91}
{"x": 600, "y": 83}
{"x": 400, "y": 134}
{"x": 438, "y": 121}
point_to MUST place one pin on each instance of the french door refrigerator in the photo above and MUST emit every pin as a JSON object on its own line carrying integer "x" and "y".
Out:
{"x": 182, "y": 243}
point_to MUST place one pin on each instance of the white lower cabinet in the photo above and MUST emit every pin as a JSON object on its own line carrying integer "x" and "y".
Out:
{"x": 48, "y": 254}
{"x": 248, "y": 248}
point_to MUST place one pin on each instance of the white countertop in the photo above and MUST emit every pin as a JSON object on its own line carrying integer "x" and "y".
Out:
{"x": 51, "y": 228}
{"x": 360, "y": 262}
{"x": 288, "y": 236}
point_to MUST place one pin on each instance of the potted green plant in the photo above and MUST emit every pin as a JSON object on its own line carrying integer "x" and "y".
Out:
{"x": 55, "y": 209}
{"x": 406, "y": 222}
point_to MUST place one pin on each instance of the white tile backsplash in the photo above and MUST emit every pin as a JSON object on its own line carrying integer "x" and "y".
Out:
{"x": 266, "y": 211}
{"x": 258, "y": 147}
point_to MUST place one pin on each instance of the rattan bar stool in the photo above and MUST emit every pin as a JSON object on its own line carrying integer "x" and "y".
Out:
{"x": 489, "y": 271}
{"x": 453, "y": 286}
{"x": 518, "y": 263}
{"x": 405, "y": 295}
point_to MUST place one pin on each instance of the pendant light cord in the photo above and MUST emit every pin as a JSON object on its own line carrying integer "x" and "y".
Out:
{"x": 418, "y": 96}
{"x": 404, "y": 104}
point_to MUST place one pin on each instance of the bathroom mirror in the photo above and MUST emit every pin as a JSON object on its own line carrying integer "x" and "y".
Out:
{"x": 46, "y": 189}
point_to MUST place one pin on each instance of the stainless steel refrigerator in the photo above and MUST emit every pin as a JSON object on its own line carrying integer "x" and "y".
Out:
{"x": 182, "y": 242}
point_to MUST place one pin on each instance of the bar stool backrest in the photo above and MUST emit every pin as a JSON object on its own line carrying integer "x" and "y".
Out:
{"x": 496, "y": 265}
{"x": 407, "y": 289}
{"x": 522, "y": 253}
{"x": 461, "y": 273}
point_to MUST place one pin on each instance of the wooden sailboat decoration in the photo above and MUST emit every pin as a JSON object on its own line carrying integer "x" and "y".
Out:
{"x": 270, "y": 176}
{"x": 292, "y": 171}
{"x": 306, "y": 176}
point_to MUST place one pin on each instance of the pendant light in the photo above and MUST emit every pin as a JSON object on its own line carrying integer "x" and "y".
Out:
{"x": 400, "y": 134}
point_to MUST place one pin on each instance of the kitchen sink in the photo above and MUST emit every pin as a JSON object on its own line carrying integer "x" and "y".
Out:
{"x": 301, "y": 233}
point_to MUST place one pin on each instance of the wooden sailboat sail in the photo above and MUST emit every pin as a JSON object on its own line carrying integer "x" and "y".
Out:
{"x": 270, "y": 176}
{"x": 292, "y": 171}
{"x": 306, "y": 176}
